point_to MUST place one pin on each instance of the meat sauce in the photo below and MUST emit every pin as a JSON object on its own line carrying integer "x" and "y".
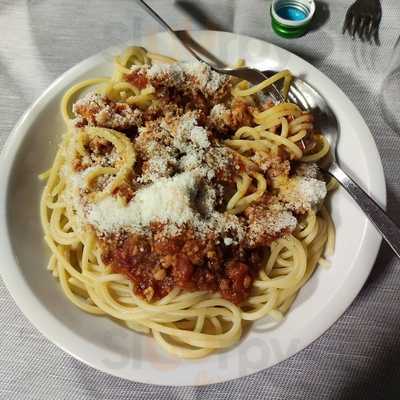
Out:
{"x": 137, "y": 79}
{"x": 156, "y": 266}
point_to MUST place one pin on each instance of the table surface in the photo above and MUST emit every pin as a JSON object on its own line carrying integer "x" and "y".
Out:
{"x": 359, "y": 356}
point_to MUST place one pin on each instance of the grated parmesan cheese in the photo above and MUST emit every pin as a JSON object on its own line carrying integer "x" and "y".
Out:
{"x": 96, "y": 110}
{"x": 220, "y": 117}
{"x": 78, "y": 179}
{"x": 219, "y": 111}
{"x": 172, "y": 201}
{"x": 188, "y": 136}
{"x": 271, "y": 225}
{"x": 167, "y": 200}
{"x": 312, "y": 191}
{"x": 308, "y": 170}
{"x": 284, "y": 220}
{"x": 303, "y": 193}
{"x": 228, "y": 241}
{"x": 198, "y": 75}
{"x": 178, "y": 144}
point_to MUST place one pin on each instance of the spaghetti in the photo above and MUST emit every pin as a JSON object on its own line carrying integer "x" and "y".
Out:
{"x": 112, "y": 176}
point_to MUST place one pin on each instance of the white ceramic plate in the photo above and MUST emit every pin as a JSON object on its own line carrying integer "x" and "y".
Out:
{"x": 110, "y": 347}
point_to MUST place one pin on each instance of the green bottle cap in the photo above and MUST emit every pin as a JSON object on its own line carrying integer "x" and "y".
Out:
{"x": 291, "y": 18}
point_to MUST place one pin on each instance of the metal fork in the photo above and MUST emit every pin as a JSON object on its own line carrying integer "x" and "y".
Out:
{"x": 363, "y": 18}
{"x": 252, "y": 75}
{"x": 307, "y": 98}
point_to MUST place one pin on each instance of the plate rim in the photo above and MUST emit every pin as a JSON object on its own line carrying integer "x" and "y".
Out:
{"x": 29, "y": 309}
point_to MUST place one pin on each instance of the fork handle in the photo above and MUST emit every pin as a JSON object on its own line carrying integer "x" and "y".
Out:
{"x": 167, "y": 27}
{"x": 389, "y": 230}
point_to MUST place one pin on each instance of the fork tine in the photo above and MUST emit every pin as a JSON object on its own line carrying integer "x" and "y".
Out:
{"x": 354, "y": 26}
{"x": 375, "y": 33}
{"x": 347, "y": 22}
{"x": 297, "y": 97}
{"x": 292, "y": 97}
{"x": 368, "y": 32}
{"x": 361, "y": 28}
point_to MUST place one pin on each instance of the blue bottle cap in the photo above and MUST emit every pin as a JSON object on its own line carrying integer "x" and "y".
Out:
{"x": 291, "y": 18}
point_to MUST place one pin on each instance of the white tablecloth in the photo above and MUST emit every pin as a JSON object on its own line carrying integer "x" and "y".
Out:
{"x": 359, "y": 357}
